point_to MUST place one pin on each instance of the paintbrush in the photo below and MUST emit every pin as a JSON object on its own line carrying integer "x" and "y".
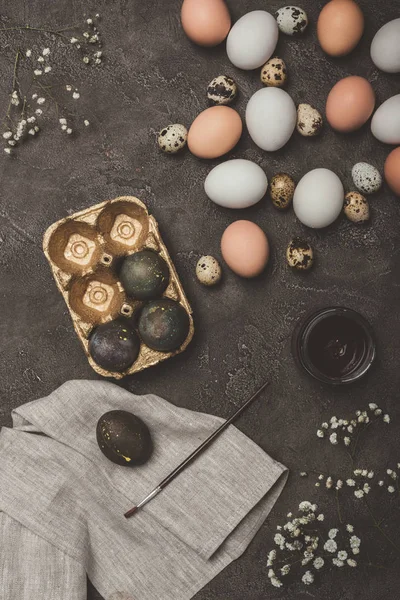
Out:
{"x": 194, "y": 454}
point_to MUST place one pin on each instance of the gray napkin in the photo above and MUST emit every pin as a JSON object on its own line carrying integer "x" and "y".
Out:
{"x": 62, "y": 502}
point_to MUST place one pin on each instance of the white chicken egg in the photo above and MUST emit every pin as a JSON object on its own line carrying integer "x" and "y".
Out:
{"x": 318, "y": 198}
{"x": 237, "y": 183}
{"x": 271, "y": 117}
{"x": 252, "y": 40}
{"x": 385, "y": 125}
{"x": 385, "y": 47}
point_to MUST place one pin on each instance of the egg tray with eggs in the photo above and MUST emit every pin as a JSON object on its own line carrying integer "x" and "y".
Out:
{"x": 85, "y": 252}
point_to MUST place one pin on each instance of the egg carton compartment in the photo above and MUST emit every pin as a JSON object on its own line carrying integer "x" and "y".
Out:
{"x": 85, "y": 251}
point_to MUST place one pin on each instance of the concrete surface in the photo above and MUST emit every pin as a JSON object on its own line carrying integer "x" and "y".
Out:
{"x": 152, "y": 76}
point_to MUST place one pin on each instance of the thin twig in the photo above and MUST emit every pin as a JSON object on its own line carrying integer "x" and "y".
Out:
{"x": 57, "y": 32}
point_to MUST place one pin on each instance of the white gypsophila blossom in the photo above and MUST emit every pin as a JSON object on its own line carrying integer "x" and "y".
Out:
{"x": 355, "y": 550}
{"x": 339, "y": 484}
{"x": 62, "y": 121}
{"x": 350, "y": 428}
{"x": 89, "y": 21}
{"x": 335, "y": 425}
{"x": 68, "y": 87}
{"x": 87, "y": 123}
{"x": 364, "y": 472}
{"x": 271, "y": 557}
{"x": 324, "y": 425}
{"x": 351, "y": 562}
{"x": 76, "y": 95}
{"x": 276, "y": 582}
{"x": 333, "y": 533}
{"x": 271, "y": 573}
{"x": 7, "y": 135}
{"x": 372, "y": 406}
{"x": 285, "y": 570}
{"x": 398, "y": 465}
{"x": 47, "y": 69}
{"x": 321, "y": 477}
{"x": 355, "y": 541}
{"x": 350, "y": 482}
{"x": 391, "y": 489}
{"x": 32, "y": 132}
{"x": 330, "y": 546}
{"x": 329, "y": 482}
{"x": 31, "y": 119}
{"x": 34, "y": 96}
{"x": 98, "y": 54}
{"x": 381, "y": 483}
{"x": 86, "y": 34}
{"x": 320, "y": 517}
{"x": 306, "y": 506}
{"x": 69, "y": 130}
{"x": 320, "y": 433}
{"x": 378, "y": 412}
{"x": 386, "y": 418}
{"x": 41, "y": 100}
{"x": 37, "y": 72}
{"x": 74, "y": 40}
{"x": 359, "y": 493}
{"x": 40, "y": 59}
{"x": 86, "y": 60}
{"x": 370, "y": 474}
{"x": 279, "y": 527}
{"x": 12, "y": 143}
{"x": 347, "y": 441}
{"x": 342, "y": 555}
{"x": 317, "y": 484}
{"x": 333, "y": 438}
{"x": 36, "y": 128}
{"x": 289, "y": 515}
{"x": 337, "y": 562}
{"x": 7, "y": 150}
{"x": 39, "y": 111}
{"x": 350, "y": 528}
{"x": 366, "y": 488}
{"x": 318, "y": 563}
{"x": 28, "y": 53}
{"x": 307, "y": 578}
{"x": 279, "y": 540}
{"x": 46, "y": 51}
{"x": 333, "y": 419}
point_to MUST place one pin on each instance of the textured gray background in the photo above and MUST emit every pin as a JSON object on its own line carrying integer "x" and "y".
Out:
{"x": 152, "y": 76}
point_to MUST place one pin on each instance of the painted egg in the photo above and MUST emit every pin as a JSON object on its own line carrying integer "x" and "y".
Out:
{"x": 392, "y": 171}
{"x": 245, "y": 248}
{"x": 340, "y": 27}
{"x": 318, "y": 198}
{"x": 385, "y": 47}
{"x": 237, "y": 183}
{"x": 252, "y": 40}
{"x": 300, "y": 255}
{"x": 350, "y": 103}
{"x": 356, "y": 207}
{"x": 208, "y": 271}
{"x": 271, "y": 118}
{"x": 281, "y": 190}
{"x": 205, "y": 22}
{"x": 221, "y": 90}
{"x": 163, "y": 325}
{"x": 385, "y": 125}
{"x": 144, "y": 275}
{"x": 124, "y": 438}
{"x": 173, "y": 138}
{"x": 309, "y": 120}
{"x": 114, "y": 346}
{"x": 366, "y": 178}
{"x": 292, "y": 20}
{"x": 215, "y": 132}
{"x": 274, "y": 72}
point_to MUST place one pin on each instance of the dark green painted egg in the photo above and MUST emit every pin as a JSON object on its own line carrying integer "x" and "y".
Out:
{"x": 124, "y": 438}
{"x": 114, "y": 346}
{"x": 144, "y": 275}
{"x": 163, "y": 325}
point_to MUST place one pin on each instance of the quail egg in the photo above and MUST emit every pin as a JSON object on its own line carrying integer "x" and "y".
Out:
{"x": 366, "y": 178}
{"x": 282, "y": 189}
{"x": 274, "y": 72}
{"x": 173, "y": 138}
{"x": 292, "y": 20}
{"x": 208, "y": 270}
{"x": 300, "y": 255}
{"x": 309, "y": 120}
{"x": 221, "y": 90}
{"x": 356, "y": 207}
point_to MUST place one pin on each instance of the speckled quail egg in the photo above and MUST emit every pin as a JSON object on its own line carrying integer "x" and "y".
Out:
{"x": 208, "y": 270}
{"x": 300, "y": 255}
{"x": 221, "y": 90}
{"x": 309, "y": 120}
{"x": 366, "y": 178}
{"x": 282, "y": 189}
{"x": 274, "y": 72}
{"x": 356, "y": 207}
{"x": 173, "y": 138}
{"x": 292, "y": 20}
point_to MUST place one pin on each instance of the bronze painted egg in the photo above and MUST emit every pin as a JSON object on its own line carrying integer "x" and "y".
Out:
{"x": 144, "y": 275}
{"x": 114, "y": 346}
{"x": 163, "y": 325}
{"x": 124, "y": 438}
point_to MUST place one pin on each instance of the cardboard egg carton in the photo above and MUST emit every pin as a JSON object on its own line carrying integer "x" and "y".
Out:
{"x": 84, "y": 252}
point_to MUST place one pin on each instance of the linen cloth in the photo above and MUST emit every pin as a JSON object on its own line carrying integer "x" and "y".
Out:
{"x": 62, "y": 502}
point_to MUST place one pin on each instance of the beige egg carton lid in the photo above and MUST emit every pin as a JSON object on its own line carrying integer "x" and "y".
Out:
{"x": 83, "y": 250}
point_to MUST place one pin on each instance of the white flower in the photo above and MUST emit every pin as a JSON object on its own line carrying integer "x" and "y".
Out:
{"x": 342, "y": 555}
{"x": 350, "y": 429}
{"x": 398, "y": 465}
{"x": 391, "y": 489}
{"x": 386, "y": 419}
{"x": 31, "y": 119}
{"x": 40, "y": 59}
{"x": 350, "y": 528}
{"x": 86, "y": 60}
{"x": 333, "y": 438}
{"x": 318, "y": 484}
{"x": 358, "y": 413}
{"x": 364, "y": 472}
{"x": 333, "y": 419}
{"x": 333, "y": 533}
{"x": 329, "y": 482}
{"x": 32, "y": 132}
{"x": 271, "y": 558}
{"x": 97, "y": 16}
{"x": 38, "y": 111}
{"x": 28, "y": 53}
{"x": 324, "y": 425}
{"x": 355, "y": 541}
{"x": 7, "y": 150}
{"x": 359, "y": 493}
{"x": 47, "y": 69}
{"x": 318, "y": 563}
{"x": 330, "y": 546}
{"x": 372, "y": 406}
{"x": 94, "y": 39}
{"x": 335, "y": 425}
{"x": 76, "y": 95}
{"x": 64, "y": 127}
{"x": 86, "y": 35}
{"x": 36, "y": 128}
{"x": 63, "y": 121}
{"x": 73, "y": 40}
{"x": 7, "y": 135}
{"x": 339, "y": 484}
{"x": 276, "y": 582}
{"x": 285, "y": 569}
{"x": 355, "y": 550}
{"x": 34, "y": 96}
{"x": 289, "y": 515}
{"x": 306, "y": 506}
{"x": 89, "y": 21}
{"x": 378, "y": 412}
{"x": 99, "y": 54}
{"x": 320, "y": 477}
{"x": 337, "y": 562}
{"x": 68, "y": 87}
{"x": 69, "y": 130}
{"x": 366, "y": 488}
{"x": 320, "y": 517}
{"x": 380, "y": 483}
{"x": 347, "y": 441}
{"x": 12, "y": 143}
{"x": 97, "y": 61}
{"x": 303, "y": 473}
{"x": 351, "y": 562}
{"x": 37, "y": 72}
{"x": 279, "y": 540}
{"x": 46, "y": 51}
{"x": 350, "y": 482}
{"x": 307, "y": 578}
{"x": 320, "y": 433}
{"x": 87, "y": 123}
{"x": 271, "y": 573}
{"x": 370, "y": 474}
{"x": 41, "y": 100}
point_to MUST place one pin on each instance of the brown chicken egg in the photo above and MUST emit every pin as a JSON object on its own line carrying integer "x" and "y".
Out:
{"x": 350, "y": 103}
{"x": 340, "y": 27}
{"x": 205, "y": 22}
{"x": 245, "y": 248}
{"x": 392, "y": 171}
{"x": 214, "y": 132}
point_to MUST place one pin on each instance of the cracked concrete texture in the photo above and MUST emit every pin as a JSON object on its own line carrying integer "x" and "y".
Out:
{"x": 153, "y": 75}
